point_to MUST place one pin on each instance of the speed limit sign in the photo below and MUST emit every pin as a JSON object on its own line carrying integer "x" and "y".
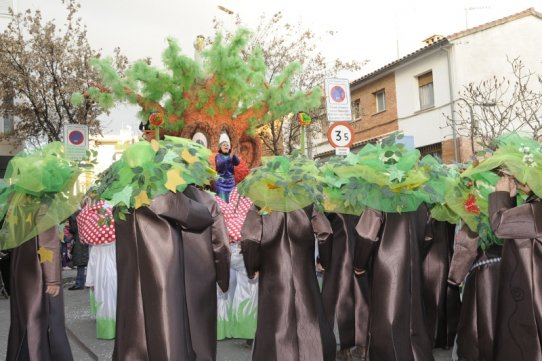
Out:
{"x": 340, "y": 135}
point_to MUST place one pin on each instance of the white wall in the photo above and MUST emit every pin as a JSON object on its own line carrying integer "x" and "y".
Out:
{"x": 482, "y": 55}
{"x": 426, "y": 126}
{"x": 474, "y": 58}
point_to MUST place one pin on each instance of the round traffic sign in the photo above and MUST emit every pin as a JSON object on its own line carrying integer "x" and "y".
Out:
{"x": 340, "y": 134}
{"x": 76, "y": 137}
{"x": 338, "y": 94}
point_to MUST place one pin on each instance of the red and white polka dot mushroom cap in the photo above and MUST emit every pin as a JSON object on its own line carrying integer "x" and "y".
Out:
{"x": 92, "y": 223}
{"x": 235, "y": 213}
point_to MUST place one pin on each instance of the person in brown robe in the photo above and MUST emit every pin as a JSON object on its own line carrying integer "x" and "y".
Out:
{"x": 478, "y": 271}
{"x": 442, "y": 300}
{"x": 279, "y": 247}
{"x": 519, "y": 317}
{"x": 170, "y": 255}
{"x": 346, "y": 297}
{"x": 389, "y": 249}
{"x": 37, "y": 330}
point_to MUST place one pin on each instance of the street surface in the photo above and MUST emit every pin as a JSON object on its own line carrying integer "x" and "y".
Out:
{"x": 81, "y": 324}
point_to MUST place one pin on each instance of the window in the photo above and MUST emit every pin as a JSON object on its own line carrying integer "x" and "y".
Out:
{"x": 380, "y": 97}
{"x": 425, "y": 85}
{"x": 432, "y": 149}
{"x": 356, "y": 109}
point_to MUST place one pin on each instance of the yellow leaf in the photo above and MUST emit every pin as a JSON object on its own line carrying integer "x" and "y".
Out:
{"x": 272, "y": 186}
{"x": 29, "y": 218}
{"x": 189, "y": 158}
{"x": 174, "y": 179}
{"x": 265, "y": 210}
{"x": 142, "y": 199}
{"x": 155, "y": 145}
{"x": 45, "y": 254}
{"x": 211, "y": 171}
{"x": 329, "y": 205}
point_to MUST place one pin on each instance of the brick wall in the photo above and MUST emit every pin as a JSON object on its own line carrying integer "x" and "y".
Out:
{"x": 372, "y": 124}
{"x": 464, "y": 150}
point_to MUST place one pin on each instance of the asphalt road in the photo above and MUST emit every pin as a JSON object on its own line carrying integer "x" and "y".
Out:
{"x": 82, "y": 331}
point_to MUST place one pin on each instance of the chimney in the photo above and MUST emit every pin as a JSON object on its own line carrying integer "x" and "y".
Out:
{"x": 433, "y": 39}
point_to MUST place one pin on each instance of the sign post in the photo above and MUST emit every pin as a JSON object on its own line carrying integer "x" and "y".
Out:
{"x": 75, "y": 141}
{"x": 340, "y": 135}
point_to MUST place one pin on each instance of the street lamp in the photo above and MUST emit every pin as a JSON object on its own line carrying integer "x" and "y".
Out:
{"x": 472, "y": 120}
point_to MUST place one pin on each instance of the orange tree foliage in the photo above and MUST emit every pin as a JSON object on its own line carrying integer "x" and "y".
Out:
{"x": 226, "y": 92}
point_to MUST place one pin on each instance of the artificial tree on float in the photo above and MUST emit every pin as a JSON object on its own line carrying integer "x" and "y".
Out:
{"x": 222, "y": 93}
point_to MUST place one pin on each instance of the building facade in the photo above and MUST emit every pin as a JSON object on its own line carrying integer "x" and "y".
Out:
{"x": 419, "y": 93}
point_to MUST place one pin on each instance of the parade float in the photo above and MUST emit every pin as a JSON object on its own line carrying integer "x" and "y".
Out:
{"x": 223, "y": 92}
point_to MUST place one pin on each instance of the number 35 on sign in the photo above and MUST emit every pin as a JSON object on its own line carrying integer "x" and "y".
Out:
{"x": 340, "y": 134}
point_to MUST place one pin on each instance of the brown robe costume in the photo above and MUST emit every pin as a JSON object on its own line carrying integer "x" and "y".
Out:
{"x": 519, "y": 317}
{"x": 345, "y": 296}
{"x": 442, "y": 300}
{"x": 479, "y": 270}
{"x": 393, "y": 241}
{"x": 168, "y": 256}
{"x": 291, "y": 321}
{"x": 37, "y": 331}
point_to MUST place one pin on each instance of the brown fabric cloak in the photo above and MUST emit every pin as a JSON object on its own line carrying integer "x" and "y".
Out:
{"x": 291, "y": 321}
{"x": 479, "y": 271}
{"x": 389, "y": 247}
{"x": 442, "y": 300}
{"x": 37, "y": 331}
{"x": 345, "y": 296}
{"x": 519, "y": 317}
{"x": 165, "y": 306}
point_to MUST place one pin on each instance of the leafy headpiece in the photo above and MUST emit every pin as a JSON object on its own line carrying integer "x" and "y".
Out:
{"x": 283, "y": 184}
{"x": 388, "y": 176}
{"x": 517, "y": 155}
{"x": 37, "y": 193}
{"x": 149, "y": 169}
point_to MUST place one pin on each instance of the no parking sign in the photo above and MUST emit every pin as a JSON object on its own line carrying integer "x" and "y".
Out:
{"x": 338, "y": 100}
{"x": 75, "y": 141}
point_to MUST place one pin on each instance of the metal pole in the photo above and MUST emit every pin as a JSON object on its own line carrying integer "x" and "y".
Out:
{"x": 471, "y": 113}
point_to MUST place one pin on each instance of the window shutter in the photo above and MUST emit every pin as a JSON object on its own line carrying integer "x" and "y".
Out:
{"x": 423, "y": 79}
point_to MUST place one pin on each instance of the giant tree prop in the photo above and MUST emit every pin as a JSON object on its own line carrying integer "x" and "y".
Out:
{"x": 221, "y": 93}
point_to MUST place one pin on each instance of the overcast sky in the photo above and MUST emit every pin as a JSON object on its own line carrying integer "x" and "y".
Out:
{"x": 375, "y": 30}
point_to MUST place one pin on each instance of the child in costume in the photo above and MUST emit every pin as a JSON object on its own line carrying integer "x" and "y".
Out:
{"x": 237, "y": 308}
{"x": 225, "y": 163}
{"x": 171, "y": 242}
{"x": 38, "y": 197}
{"x": 478, "y": 271}
{"x": 519, "y": 315}
{"x": 278, "y": 247}
{"x": 345, "y": 297}
{"x": 387, "y": 178}
{"x": 97, "y": 229}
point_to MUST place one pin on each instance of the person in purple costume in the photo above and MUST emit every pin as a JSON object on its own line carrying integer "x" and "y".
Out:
{"x": 224, "y": 166}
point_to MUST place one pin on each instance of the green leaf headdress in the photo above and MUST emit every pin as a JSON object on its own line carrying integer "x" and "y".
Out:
{"x": 518, "y": 155}
{"x": 149, "y": 169}
{"x": 283, "y": 184}
{"x": 38, "y": 192}
{"x": 467, "y": 197}
{"x": 341, "y": 194}
{"x": 388, "y": 175}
